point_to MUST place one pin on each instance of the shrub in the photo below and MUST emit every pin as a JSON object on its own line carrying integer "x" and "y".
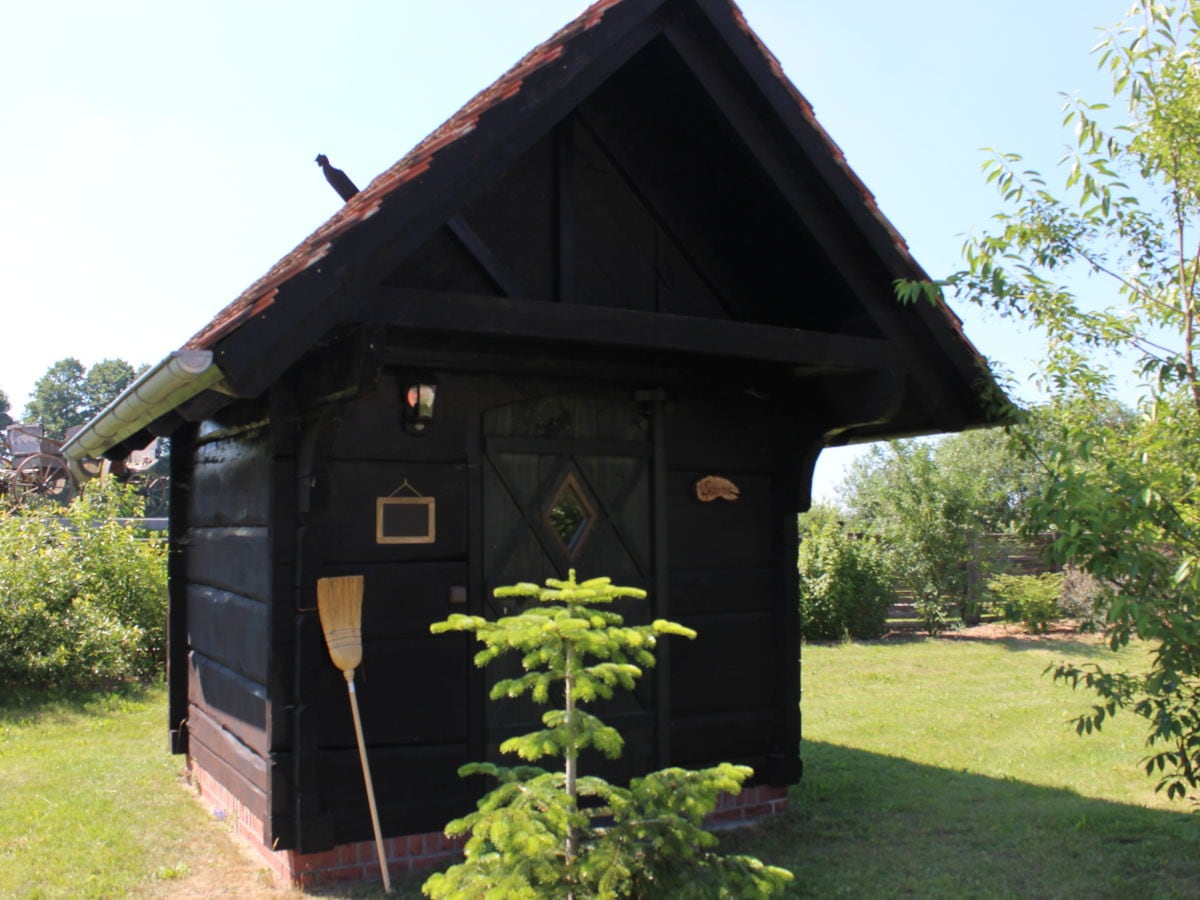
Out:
{"x": 1029, "y": 599}
{"x": 844, "y": 589}
{"x": 82, "y": 597}
{"x": 932, "y": 613}
{"x": 1083, "y": 598}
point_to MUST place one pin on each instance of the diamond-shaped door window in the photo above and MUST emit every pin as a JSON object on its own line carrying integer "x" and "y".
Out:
{"x": 570, "y": 515}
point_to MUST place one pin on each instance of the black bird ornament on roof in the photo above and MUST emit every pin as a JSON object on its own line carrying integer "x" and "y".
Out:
{"x": 338, "y": 179}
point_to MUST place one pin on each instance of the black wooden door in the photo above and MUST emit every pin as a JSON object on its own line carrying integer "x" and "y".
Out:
{"x": 566, "y": 485}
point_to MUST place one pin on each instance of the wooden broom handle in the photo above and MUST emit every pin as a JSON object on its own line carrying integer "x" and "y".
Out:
{"x": 362, "y": 755}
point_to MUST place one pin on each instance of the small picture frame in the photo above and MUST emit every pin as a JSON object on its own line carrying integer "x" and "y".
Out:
{"x": 405, "y": 520}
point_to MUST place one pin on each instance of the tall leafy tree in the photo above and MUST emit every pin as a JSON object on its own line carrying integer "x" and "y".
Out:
{"x": 1123, "y": 496}
{"x": 68, "y": 394}
{"x": 5, "y": 410}
{"x": 103, "y": 382}
{"x": 935, "y": 505}
{"x": 57, "y": 398}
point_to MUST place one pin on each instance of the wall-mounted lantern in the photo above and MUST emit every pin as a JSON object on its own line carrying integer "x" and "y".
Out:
{"x": 417, "y": 414}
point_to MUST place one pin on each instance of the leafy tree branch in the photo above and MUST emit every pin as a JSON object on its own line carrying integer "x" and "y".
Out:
{"x": 1122, "y": 493}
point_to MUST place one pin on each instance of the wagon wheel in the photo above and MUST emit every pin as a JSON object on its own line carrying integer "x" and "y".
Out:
{"x": 156, "y": 489}
{"x": 43, "y": 475}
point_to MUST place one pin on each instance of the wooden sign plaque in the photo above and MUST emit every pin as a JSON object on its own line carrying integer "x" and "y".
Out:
{"x": 405, "y": 520}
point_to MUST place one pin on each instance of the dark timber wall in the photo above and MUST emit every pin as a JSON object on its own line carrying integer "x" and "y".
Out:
{"x": 414, "y": 687}
{"x": 725, "y": 686}
{"x": 228, "y": 589}
{"x": 276, "y": 494}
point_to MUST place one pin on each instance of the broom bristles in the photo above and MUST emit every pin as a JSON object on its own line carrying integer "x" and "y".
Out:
{"x": 339, "y": 604}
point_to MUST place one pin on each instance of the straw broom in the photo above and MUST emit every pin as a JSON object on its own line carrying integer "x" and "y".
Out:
{"x": 339, "y": 603}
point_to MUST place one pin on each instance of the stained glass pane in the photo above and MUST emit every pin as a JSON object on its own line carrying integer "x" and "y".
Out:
{"x": 569, "y": 515}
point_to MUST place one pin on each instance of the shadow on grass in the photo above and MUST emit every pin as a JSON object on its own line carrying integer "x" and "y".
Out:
{"x": 866, "y": 825}
{"x": 1083, "y": 645}
{"x": 21, "y": 704}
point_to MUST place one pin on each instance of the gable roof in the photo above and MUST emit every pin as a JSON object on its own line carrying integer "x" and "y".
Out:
{"x": 308, "y": 286}
{"x": 506, "y": 89}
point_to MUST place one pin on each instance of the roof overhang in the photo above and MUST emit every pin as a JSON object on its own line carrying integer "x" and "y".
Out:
{"x": 178, "y": 378}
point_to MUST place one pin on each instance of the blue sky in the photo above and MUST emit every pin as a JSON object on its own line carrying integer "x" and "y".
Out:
{"x": 158, "y": 157}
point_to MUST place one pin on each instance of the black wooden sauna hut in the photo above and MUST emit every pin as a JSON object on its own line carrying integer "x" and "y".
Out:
{"x": 605, "y": 317}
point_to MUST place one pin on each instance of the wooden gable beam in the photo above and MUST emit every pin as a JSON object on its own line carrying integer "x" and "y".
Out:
{"x": 447, "y": 312}
{"x": 491, "y": 264}
{"x": 763, "y": 148}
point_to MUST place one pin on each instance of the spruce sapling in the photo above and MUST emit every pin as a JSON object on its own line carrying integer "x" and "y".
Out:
{"x": 531, "y": 836}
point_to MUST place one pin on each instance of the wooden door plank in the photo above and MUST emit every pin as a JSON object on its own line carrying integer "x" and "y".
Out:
{"x": 553, "y": 446}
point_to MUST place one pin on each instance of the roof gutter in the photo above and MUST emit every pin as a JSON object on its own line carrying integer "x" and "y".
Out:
{"x": 175, "y": 380}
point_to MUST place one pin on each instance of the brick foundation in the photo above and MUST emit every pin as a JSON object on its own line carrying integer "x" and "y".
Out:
{"x": 752, "y": 805}
{"x": 414, "y": 852}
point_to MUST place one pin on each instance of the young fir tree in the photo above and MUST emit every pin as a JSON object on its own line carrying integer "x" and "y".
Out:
{"x": 531, "y": 836}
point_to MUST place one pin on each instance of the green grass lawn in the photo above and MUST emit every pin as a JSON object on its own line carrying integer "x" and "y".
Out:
{"x": 933, "y": 768}
{"x": 947, "y": 768}
{"x": 90, "y": 802}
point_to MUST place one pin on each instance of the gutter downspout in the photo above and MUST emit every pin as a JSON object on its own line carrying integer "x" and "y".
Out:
{"x": 179, "y": 377}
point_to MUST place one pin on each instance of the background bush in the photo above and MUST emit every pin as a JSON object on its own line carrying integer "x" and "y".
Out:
{"x": 935, "y": 507}
{"x": 82, "y": 598}
{"x": 844, "y": 587}
{"x": 1029, "y": 599}
{"x": 1083, "y": 598}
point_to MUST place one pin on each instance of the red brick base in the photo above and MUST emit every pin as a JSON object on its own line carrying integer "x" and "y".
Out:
{"x": 414, "y": 852}
{"x": 752, "y": 805}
